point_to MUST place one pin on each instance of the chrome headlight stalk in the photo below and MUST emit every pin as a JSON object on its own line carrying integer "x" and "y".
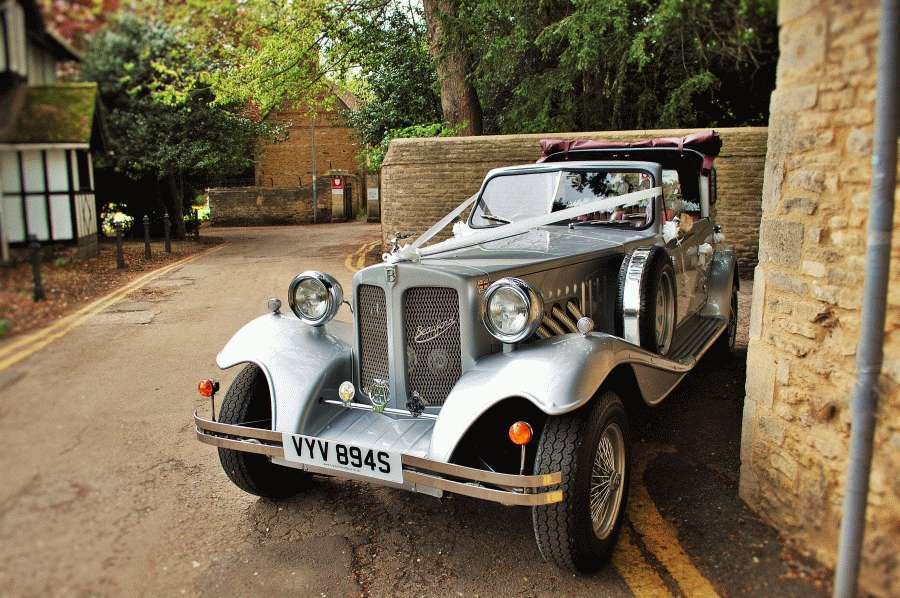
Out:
{"x": 511, "y": 310}
{"x": 315, "y": 297}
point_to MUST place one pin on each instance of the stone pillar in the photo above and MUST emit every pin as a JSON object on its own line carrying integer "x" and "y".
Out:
{"x": 804, "y": 323}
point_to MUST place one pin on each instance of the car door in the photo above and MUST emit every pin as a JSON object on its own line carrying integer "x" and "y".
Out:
{"x": 694, "y": 267}
{"x": 689, "y": 256}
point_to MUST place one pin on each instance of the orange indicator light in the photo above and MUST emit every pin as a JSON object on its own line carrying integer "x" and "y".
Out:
{"x": 520, "y": 433}
{"x": 206, "y": 388}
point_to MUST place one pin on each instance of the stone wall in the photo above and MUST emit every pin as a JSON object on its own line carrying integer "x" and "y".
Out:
{"x": 263, "y": 206}
{"x": 423, "y": 179}
{"x": 805, "y": 316}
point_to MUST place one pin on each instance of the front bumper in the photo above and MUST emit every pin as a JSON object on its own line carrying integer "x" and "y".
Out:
{"x": 419, "y": 474}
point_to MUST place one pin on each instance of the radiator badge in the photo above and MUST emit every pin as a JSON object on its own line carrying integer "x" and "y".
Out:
{"x": 390, "y": 273}
{"x": 379, "y": 393}
{"x": 415, "y": 405}
{"x": 425, "y": 334}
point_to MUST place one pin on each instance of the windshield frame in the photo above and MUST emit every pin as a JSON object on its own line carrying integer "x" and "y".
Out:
{"x": 647, "y": 168}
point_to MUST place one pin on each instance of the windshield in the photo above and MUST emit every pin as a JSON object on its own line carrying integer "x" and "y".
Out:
{"x": 513, "y": 197}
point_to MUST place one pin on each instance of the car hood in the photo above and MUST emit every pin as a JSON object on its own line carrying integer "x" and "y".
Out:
{"x": 535, "y": 248}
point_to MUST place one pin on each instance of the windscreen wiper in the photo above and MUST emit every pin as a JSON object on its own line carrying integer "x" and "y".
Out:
{"x": 493, "y": 218}
{"x": 605, "y": 222}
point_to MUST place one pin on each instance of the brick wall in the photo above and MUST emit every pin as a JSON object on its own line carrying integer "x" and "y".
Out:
{"x": 805, "y": 316}
{"x": 262, "y": 206}
{"x": 288, "y": 163}
{"x": 423, "y": 179}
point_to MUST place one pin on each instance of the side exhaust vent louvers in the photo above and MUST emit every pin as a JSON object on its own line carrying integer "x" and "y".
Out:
{"x": 559, "y": 321}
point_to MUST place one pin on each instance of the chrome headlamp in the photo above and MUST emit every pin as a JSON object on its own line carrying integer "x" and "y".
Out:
{"x": 511, "y": 310}
{"x": 315, "y": 297}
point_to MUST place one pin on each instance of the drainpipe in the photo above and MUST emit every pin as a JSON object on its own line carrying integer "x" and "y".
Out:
{"x": 870, "y": 351}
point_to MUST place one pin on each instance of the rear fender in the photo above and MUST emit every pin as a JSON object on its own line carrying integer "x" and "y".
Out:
{"x": 301, "y": 363}
{"x": 557, "y": 375}
{"x": 721, "y": 280}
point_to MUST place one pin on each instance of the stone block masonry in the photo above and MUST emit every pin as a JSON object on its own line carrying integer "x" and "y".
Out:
{"x": 805, "y": 318}
{"x": 265, "y": 206}
{"x": 423, "y": 179}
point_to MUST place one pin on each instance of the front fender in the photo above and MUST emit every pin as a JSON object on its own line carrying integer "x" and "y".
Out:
{"x": 558, "y": 375}
{"x": 300, "y": 362}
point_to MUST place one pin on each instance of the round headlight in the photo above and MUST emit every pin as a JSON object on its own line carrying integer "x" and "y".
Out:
{"x": 315, "y": 297}
{"x": 511, "y": 310}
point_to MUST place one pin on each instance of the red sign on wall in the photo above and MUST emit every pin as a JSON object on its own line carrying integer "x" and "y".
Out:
{"x": 337, "y": 182}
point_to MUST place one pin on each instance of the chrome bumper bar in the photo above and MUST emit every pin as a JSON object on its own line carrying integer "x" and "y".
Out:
{"x": 504, "y": 488}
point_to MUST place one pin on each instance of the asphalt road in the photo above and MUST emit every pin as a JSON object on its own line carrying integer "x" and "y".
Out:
{"x": 106, "y": 492}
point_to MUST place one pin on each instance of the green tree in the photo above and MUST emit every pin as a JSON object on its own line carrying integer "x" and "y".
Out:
{"x": 164, "y": 121}
{"x": 454, "y": 61}
{"x": 396, "y": 76}
{"x": 265, "y": 52}
{"x": 501, "y": 66}
{"x": 558, "y": 65}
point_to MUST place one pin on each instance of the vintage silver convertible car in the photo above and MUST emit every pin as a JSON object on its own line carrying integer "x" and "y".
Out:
{"x": 501, "y": 362}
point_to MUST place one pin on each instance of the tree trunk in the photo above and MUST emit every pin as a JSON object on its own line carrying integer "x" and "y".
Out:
{"x": 176, "y": 216}
{"x": 459, "y": 101}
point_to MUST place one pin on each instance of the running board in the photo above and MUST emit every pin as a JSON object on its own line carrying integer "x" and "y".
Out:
{"x": 694, "y": 337}
{"x": 692, "y": 340}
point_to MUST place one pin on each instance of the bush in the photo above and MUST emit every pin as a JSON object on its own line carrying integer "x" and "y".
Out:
{"x": 372, "y": 157}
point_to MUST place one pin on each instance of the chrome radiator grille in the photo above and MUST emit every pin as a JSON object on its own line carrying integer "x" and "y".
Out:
{"x": 433, "y": 356}
{"x": 373, "y": 334}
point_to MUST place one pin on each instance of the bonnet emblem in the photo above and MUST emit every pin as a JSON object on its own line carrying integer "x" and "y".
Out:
{"x": 429, "y": 333}
{"x": 379, "y": 394}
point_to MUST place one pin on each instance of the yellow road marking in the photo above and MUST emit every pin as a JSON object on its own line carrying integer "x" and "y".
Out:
{"x": 357, "y": 260}
{"x": 660, "y": 538}
{"x": 641, "y": 578}
{"x": 31, "y": 343}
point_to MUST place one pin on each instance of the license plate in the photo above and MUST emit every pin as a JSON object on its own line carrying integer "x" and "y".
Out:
{"x": 340, "y": 456}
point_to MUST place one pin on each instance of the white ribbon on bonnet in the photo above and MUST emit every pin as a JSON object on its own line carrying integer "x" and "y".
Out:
{"x": 414, "y": 251}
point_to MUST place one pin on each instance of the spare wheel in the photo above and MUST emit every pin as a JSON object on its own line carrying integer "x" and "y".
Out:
{"x": 646, "y": 302}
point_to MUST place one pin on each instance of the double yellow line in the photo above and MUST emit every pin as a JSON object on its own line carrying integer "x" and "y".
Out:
{"x": 357, "y": 260}
{"x": 24, "y": 346}
{"x": 660, "y": 539}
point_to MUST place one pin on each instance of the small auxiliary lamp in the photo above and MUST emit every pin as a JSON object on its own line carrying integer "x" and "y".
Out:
{"x": 208, "y": 389}
{"x": 520, "y": 433}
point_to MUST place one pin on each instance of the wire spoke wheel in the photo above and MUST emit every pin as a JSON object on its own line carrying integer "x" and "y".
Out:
{"x": 591, "y": 448}
{"x": 607, "y": 476}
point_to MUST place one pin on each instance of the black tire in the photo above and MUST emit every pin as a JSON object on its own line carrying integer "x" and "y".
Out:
{"x": 723, "y": 349}
{"x": 569, "y": 443}
{"x": 247, "y": 400}
{"x": 659, "y": 269}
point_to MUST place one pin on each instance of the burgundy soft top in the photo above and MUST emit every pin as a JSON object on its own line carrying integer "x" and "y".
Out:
{"x": 707, "y": 143}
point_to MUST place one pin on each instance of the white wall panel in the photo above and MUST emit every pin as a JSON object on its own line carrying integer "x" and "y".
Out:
{"x": 60, "y": 217}
{"x": 86, "y": 211}
{"x": 73, "y": 161}
{"x": 36, "y": 208}
{"x": 33, "y": 165}
{"x": 15, "y": 223}
{"x": 9, "y": 171}
{"x": 56, "y": 170}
